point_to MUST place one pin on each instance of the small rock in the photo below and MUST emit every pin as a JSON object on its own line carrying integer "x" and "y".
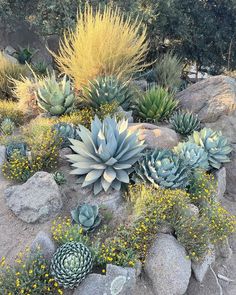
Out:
{"x": 10, "y": 58}
{"x": 155, "y": 136}
{"x": 167, "y": 266}
{"x": 220, "y": 177}
{"x": 193, "y": 210}
{"x": 117, "y": 281}
{"x": 223, "y": 249}
{"x": 37, "y": 200}
{"x": 9, "y": 50}
{"x": 45, "y": 244}
{"x": 200, "y": 268}
{"x": 141, "y": 84}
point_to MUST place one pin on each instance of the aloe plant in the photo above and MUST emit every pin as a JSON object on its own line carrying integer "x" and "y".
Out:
{"x": 104, "y": 156}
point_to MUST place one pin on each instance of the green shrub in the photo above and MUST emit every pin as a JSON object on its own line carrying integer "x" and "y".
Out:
{"x": 156, "y": 105}
{"x": 185, "y": 123}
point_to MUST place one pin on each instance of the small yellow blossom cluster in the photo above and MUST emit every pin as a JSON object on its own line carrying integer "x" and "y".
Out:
{"x": 81, "y": 117}
{"x": 29, "y": 275}
{"x": 107, "y": 109}
{"x": 64, "y": 231}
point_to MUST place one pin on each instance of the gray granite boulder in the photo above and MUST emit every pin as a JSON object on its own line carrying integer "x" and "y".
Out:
{"x": 43, "y": 243}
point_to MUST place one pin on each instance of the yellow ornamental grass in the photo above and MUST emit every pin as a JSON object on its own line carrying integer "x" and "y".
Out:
{"x": 103, "y": 43}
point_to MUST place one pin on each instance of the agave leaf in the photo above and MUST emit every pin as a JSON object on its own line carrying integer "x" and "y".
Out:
{"x": 75, "y": 215}
{"x": 109, "y": 174}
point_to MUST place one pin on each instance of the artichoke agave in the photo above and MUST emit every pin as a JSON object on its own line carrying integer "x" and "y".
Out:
{"x": 7, "y": 126}
{"x": 107, "y": 90}
{"x": 87, "y": 216}
{"x": 65, "y": 131}
{"x": 54, "y": 97}
{"x": 13, "y": 147}
{"x": 193, "y": 155}
{"x": 156, "y": 105}
{"x": 71, "y": 263}
{"x": 216, "y": 146}
{"x": 185, "y": 122}
{"x": 162, "y": 168}
{"x": 105, "y": 155}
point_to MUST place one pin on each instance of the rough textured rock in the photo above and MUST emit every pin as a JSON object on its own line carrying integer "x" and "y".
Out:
{"x": 210, "y": 98}
{"x": 220, "y": 177}
{"x": 224, "y": 250}
{"x": 141, "y": 84}
{"x": 37, "y": 200}
{"x": 227, "y": 124}
{"x": 200, "y": 268}
{"x": 167, "y": 266}
{"x": 156, "y": 136}
{"x": 117, "y": 281}
{"x": 45, "y": 244}
{"x": 2, "y": 159}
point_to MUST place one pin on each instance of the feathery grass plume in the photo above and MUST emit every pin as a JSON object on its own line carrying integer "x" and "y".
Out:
{"x": 104, "y": 43}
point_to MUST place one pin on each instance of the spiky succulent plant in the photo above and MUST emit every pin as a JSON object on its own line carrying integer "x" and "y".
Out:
{"x": 71, "y": 263}
{"x": 107, "y": 90}
{"x": 87, "y": 216}
{"x": 55, "y": 97}
{"x": 7, "y": 126}
{"x": 59, "y": 177}
{"x": 65, "y": 131}
{"x": 185, "y": 122}
{"x": 156, "y": 104}
{"x": 13, "y": 147}
{"x": 193, "y": 155}
{"x": 105, "y": 155}
{"x": 216, "y": 146}
{"x": 162, "y": 168}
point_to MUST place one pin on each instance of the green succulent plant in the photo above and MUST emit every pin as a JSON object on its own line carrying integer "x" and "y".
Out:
{"x": 87, "y": 216}
{"x": 185, "y": 122}
{"x": 107, "y": 90}
{"x": 216, "y": 146}
{"x": 59, "y": 177}
{"x": 13, "y": 147}
{"x": 71, "y": 263}
{"x": 105, "y": 155}
{"x": 156, "y": 105}
{"x": 7, "y": 126}
{"x": 56, "y": 98}
{"x": 162, "y": 168}
{"x": 193, "y": 155}
{"x": 65, "y": 131}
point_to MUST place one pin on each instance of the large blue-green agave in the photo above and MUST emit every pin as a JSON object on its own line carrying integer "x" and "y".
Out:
{"x": 105, "y": 155}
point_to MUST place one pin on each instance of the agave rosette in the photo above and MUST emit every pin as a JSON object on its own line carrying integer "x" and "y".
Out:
{"x": 105, "y": 155}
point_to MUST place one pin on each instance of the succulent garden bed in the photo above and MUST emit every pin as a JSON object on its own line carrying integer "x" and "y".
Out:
{"x": 119, "y": 187}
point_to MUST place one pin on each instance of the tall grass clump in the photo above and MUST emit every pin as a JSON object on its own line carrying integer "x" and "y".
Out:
{"x": 104, "y": 43}
{"x": 9, "y": 70}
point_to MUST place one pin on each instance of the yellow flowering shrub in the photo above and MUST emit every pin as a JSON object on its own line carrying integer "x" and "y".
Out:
{"x": 79, "y": 117}
{"x": 29, "y": 275}
{"x": 64, "y": 231}
{"x": 8, "y": 109}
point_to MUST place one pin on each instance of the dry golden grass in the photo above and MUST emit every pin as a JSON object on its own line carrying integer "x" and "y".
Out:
{"x": 103, "y": 43}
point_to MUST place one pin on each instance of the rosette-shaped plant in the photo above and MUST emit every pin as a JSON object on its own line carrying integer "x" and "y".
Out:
{"x": 59, "y": 177}
{"x": 71, "y": 263}
{"x": 13, "y": 147}
{"x": 107, "y": 90}
{"x": 54, "y": 97}
{"x": 65, "y": 131}
{"x": 87, "y": 216}
{"x": 156, "y": 104}
{"x": 105, "y": 155}
{"x": 185, "y": 122}
{"x": 162, "y": 168}
{"x": 193, "y": 155}
{"x": 7, "y": 126}
{"x": 216, "y": 146}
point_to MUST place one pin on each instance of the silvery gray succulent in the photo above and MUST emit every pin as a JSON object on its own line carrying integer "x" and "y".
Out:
{"x": 104, "y": 156}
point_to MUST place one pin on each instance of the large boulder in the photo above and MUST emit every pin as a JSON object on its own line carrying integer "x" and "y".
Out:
{"x": 167, "y": 266}
{"x": 117, "y": 281}
{"x": 37, "y": 200}
{"x": 210, "y": 98}
{"x": 155, "y": 136}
